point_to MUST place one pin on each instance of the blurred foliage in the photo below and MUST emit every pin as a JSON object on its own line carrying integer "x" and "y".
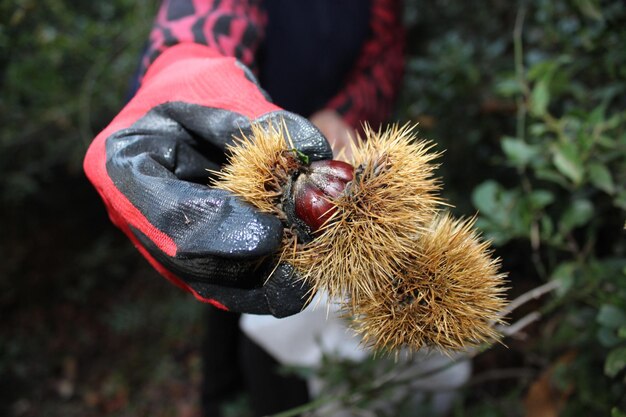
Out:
{"x": 528, "y": 99}
{"x": 85, "y": 324}
{"x": 530, "y": 104}
{"x": 64, "y": 68}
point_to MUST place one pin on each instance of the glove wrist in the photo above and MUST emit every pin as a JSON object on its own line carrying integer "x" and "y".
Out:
{"x": 177, "y": 53}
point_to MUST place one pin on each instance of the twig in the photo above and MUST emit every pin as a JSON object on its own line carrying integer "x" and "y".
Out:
{"x": 519, "y": 325}
{"x": 529, "y": 296}
{"x": 388, "y": 381}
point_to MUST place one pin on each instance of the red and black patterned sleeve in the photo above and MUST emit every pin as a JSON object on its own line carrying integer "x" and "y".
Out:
{"x": 231, "y": 27}
{"x": 374, "y": 82}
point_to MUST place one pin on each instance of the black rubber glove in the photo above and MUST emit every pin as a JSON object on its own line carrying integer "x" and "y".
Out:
{"x": 150, "y": 167}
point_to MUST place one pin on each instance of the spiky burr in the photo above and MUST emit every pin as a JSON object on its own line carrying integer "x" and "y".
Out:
{"x": 259, "y": 166}
{"x": 447, "y": 296}
{"x": 407, "y": 273}
{"x": 392, "y": 197}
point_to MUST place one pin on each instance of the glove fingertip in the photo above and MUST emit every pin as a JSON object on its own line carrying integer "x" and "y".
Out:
{"x": 305, "y": 136}
{"x": 285, "y": 292}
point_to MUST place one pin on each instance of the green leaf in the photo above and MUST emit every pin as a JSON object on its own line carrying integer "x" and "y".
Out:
{"x": 551, "y": 175}
{"x": 620, "y": 200}
{"x": 567, "y": 160}
{"x": 606, "y": 141}
{"x": 508, "y": 87}
{"x": 304, "y": 158}
{"x": 537, "y": 129}
{"x": 540, "y": 199}
{"x": 500, "y": 212}
{"x": 611, "y": 316}
{"x": 615, "y": 361}
{"x": 564, "y": 275}
{"x": 518, "y": 152}
{"x": 485, "y": 199}
{"x": 547, "y": 227}
{"x": 621, "y": 333}
{"x": 544, "y": 70}
{"x": 607, "y": 337}
{"x": 539, "y": 98}
{"x": 590, "y": 8}
{"x": 614, "y": 121}
{"x": 601, "y": 177}
{"x": 615, "y": 412}
{"x": 596, "y": 116}
{"x": 576, "y": 215}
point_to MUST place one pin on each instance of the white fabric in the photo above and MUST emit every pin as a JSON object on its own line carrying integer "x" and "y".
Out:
{"x": 303, "y": 339}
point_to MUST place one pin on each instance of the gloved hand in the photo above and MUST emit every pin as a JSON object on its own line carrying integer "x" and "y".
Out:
{"x": 150, "y": 167}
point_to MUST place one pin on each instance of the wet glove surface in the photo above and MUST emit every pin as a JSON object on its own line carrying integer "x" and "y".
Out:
{"x": 150, "y": 167}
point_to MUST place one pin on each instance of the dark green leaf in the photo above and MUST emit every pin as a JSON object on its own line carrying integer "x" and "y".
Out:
{"x": 508, "y": 87}
{"x": 519, "y": 152}
{"x": 576, "y": 215}
{"x": 620, "y": 200}
{"x": 615, "y": 412}
{"x": 549, "y": 174}
{"x": 544, "y": 70}
{"x": 590, "y": 8}
{"x": 564, "y": 275}
{"x": 606, "y": 141}
{"x": 484, "y": 197}
{"x": 567, "y": 160}
{"x": 540, "y": 199}
{"x": 615, "y": 361}
{"x": 493, "y": 231}
{"x": 611, "y": 316}
{"x": 596, "y": 116}
{"x": 601, "y": 177}
{"x": 547, "y": 227}
{"x": 539, "y": 99}
{"x": 607, "y": 337}
{"x": 537, "y": 129}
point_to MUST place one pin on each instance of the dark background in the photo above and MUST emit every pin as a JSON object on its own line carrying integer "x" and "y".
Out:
{"x": 526, "y": 98}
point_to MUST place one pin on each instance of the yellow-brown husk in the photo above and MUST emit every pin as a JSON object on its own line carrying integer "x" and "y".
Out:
{"x": 392, "y": 198}
{"x": 448, "y": 297}
{"x": 409, "y": 275}
{"x": 259, "y": 166}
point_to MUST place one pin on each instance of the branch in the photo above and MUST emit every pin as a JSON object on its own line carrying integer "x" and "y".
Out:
{"x": 529, "y": 296}
{"x": 519, "y": 325}
{"x": 389, "y": 381}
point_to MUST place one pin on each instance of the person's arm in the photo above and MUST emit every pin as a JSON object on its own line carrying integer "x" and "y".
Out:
{"x": 231, "y": 28}
{"x": 374, "y": 82}
{"x": 150, "y": 168}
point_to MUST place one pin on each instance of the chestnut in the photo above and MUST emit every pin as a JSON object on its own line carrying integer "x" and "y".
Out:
{"x": 316, "y": 186}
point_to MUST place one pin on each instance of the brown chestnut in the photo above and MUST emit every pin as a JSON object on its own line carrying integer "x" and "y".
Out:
{"x": 316, "y": 186}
